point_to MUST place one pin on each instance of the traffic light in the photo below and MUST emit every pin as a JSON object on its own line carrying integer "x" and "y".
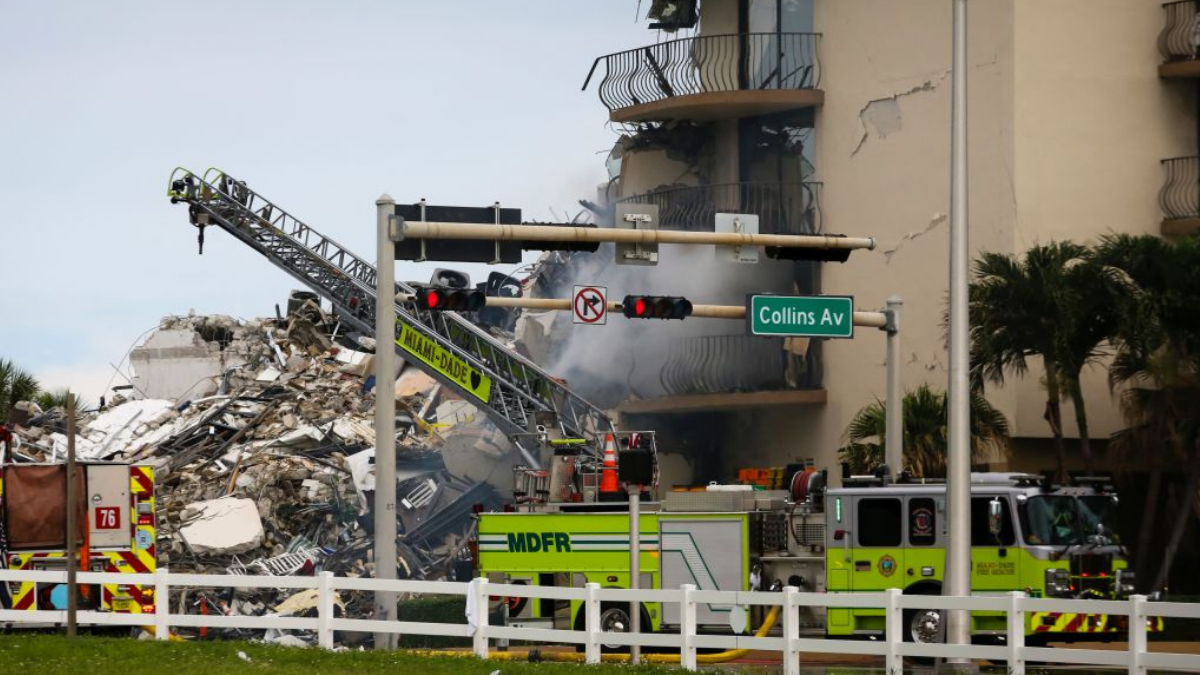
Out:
{"x": 443, "y": 299}
{"x": 814, "y": 254}
{"x": 655, "y": 307}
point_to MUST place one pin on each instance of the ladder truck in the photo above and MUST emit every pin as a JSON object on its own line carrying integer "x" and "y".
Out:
{"x": 524, "y": 401}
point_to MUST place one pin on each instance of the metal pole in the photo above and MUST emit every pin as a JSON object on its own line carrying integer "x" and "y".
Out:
{"x": 635, "y": 571}
{"x": 958, "y": 476}
{"x": 860, "y": 319}
{"x": 72, "y": 524}
{"x": 418, "y": 229}
{"x": 894, "y": 437}
{"x": 385, "y": 419}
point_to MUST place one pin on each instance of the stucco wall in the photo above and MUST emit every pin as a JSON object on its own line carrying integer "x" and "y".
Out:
{"x": 1068, "y": 122}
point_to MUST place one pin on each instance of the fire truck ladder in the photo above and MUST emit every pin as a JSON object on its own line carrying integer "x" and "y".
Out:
{"x": 522, "y": 395}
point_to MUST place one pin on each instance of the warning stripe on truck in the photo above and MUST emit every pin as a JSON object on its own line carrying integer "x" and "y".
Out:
{"x": 1073, "y": 622}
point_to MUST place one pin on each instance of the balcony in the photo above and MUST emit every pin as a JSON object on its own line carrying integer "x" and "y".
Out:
{"x": 724, "y": 372}
{"x": 782, "y": 208}
{"x": 1179, "y": 40}
{"x": 1180, "y": 196}
{"x": 711, "y": 77}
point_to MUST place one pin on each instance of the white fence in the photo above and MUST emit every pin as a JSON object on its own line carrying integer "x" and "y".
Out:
{"x": 1137, "y": 659}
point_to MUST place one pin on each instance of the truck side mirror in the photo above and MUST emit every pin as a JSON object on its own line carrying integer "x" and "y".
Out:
{"x": 995, "y": 516}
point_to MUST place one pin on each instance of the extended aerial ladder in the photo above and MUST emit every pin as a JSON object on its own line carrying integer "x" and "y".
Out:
{"x": 522, "y": 397}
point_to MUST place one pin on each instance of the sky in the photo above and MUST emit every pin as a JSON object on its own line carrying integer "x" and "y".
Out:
{"x": 319, "y": 106}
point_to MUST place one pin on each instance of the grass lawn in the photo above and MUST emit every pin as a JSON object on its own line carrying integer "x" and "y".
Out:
{"x": 53, "y": 654}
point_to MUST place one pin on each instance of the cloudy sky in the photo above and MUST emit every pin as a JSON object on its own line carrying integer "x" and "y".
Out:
{"x": 320, "y": 106}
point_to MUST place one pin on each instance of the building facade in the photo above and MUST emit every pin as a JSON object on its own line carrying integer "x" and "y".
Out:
{"x": 833, "y": 116}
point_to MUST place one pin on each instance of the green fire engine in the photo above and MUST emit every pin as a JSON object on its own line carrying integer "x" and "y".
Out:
{"x": 869, "y": 535}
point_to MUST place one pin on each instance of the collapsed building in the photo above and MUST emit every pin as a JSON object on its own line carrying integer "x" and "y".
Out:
{"x": 262, "y": 439}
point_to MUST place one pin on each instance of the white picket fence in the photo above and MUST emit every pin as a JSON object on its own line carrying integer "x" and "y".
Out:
{"x": 1137, "y": 659}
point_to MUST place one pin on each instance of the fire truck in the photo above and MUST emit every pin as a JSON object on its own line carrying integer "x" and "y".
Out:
{"x": 116, "y": 513}
{"x": 871, "y": 534}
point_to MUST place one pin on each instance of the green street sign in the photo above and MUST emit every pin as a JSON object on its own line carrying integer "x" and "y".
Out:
{"x": 827, "y": 316}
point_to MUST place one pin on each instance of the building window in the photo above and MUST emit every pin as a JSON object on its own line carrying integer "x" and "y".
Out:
{"x": 980, "y": 535}
{"x": 879, "y": 522}
{"x": 922, "y": 522}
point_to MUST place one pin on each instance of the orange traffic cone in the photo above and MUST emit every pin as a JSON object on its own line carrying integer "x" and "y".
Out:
{"x": 608, "y": 475}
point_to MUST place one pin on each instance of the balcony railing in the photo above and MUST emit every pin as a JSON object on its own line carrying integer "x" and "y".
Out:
{"x": 782, "y": 208}
{"x": 716, "y": 364}
{"x": 708, "y": 63}
{"x": 1178, "y": 39}
{"x": 1180, "y": 194}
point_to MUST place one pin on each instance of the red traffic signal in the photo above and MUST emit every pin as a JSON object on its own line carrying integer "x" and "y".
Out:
{"x": 655, "y": 307}
{"x": 440, "y": 299}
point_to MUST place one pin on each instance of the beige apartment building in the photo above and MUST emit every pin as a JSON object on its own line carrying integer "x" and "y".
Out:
{"x": 833, "y": 116}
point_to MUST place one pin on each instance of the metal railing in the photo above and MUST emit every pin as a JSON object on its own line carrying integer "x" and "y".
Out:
{"x": 1137, "y": 610}
{"x": 1179, "y": 39}
{"x": 1180, "y": 194}
{"x": 708, "y": 63}
{"x": 715, "y": 364}
{"x": 782, "y": 208}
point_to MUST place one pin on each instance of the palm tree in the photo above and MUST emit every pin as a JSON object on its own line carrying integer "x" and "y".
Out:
{"x": 15, "y": 385}
{"x": 58, "y": 399}
{"x": 1055, "y": 303}
{"x": 1158, "y": 367}
{"x": 924, "y": 425}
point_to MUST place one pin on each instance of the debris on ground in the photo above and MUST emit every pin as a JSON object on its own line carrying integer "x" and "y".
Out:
{"x": 262, "y": 438}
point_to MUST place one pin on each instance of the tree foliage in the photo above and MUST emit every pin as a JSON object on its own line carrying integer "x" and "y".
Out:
{"x": 1054, "y": 304}
{"x": 15, "y": 385}
{"x": 925, "y": 433}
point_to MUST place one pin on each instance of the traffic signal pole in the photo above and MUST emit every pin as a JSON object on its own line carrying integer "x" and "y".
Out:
{"x": 861, "y": 319}
{"x": 385, "y": 422}
{"x": 559, "y": 233}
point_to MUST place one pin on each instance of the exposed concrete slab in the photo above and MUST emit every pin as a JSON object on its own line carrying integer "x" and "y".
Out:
{"x": 226, "y": 526}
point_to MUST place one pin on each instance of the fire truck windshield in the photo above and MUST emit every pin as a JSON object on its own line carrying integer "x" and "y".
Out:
{"x": 1059, "y": 520}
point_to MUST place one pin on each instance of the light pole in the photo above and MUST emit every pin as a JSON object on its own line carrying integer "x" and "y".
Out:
{"x": 958, "y": 474}
{"x": 385, "y": 418}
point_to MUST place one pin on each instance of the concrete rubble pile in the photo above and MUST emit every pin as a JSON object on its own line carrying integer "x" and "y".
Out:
{"x": 267, "y": 465}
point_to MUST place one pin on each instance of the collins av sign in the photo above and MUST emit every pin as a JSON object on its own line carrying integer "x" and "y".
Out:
{"x": 827, "y": 316}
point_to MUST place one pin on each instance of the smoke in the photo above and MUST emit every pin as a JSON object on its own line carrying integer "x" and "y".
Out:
{"x": 640, "y": 358}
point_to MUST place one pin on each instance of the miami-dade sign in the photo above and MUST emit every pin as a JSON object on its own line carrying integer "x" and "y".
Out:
{"x": 827, "y": 316}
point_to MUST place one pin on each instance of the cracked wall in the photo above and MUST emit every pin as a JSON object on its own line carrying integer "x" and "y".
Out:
{"x": 1059, "y": 147}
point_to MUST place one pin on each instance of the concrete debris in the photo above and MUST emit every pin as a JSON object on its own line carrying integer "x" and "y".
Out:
{"x": 224, "y": 526}
{"x": 264, "y": 456}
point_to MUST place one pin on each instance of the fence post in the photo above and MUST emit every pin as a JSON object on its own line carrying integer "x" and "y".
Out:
{"x": 325, "y": 610}
{"x": 480, "y": 639}
{"x": 1016, "y": 633}
{"x": 591, "y": 622}
{"x": 1137, "y": 635}
{"x": 162, "y": 605}
{"x": 687, "y": 627}
{"x": 791, "y": 632}
{"x": 893, "y": 632}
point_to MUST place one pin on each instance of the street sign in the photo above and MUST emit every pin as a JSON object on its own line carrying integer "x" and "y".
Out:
{"x": 737, "y": 223}
{"x": 828, "y": 316}
{"x": 589, "y": 305}
{"x": 459, "y": 250}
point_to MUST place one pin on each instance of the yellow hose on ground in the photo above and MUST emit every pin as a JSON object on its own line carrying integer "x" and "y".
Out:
{"x": 170, "y": 636}
{"x": 576, "y": 657}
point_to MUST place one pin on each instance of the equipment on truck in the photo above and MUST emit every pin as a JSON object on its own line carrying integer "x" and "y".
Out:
{"x": 116, "y": 533}
{"x": 870, "y": 535}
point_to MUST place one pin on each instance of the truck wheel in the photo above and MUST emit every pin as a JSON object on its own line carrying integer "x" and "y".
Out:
{"x": 614, "y": 618}
{"x": 924, "y": 626}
